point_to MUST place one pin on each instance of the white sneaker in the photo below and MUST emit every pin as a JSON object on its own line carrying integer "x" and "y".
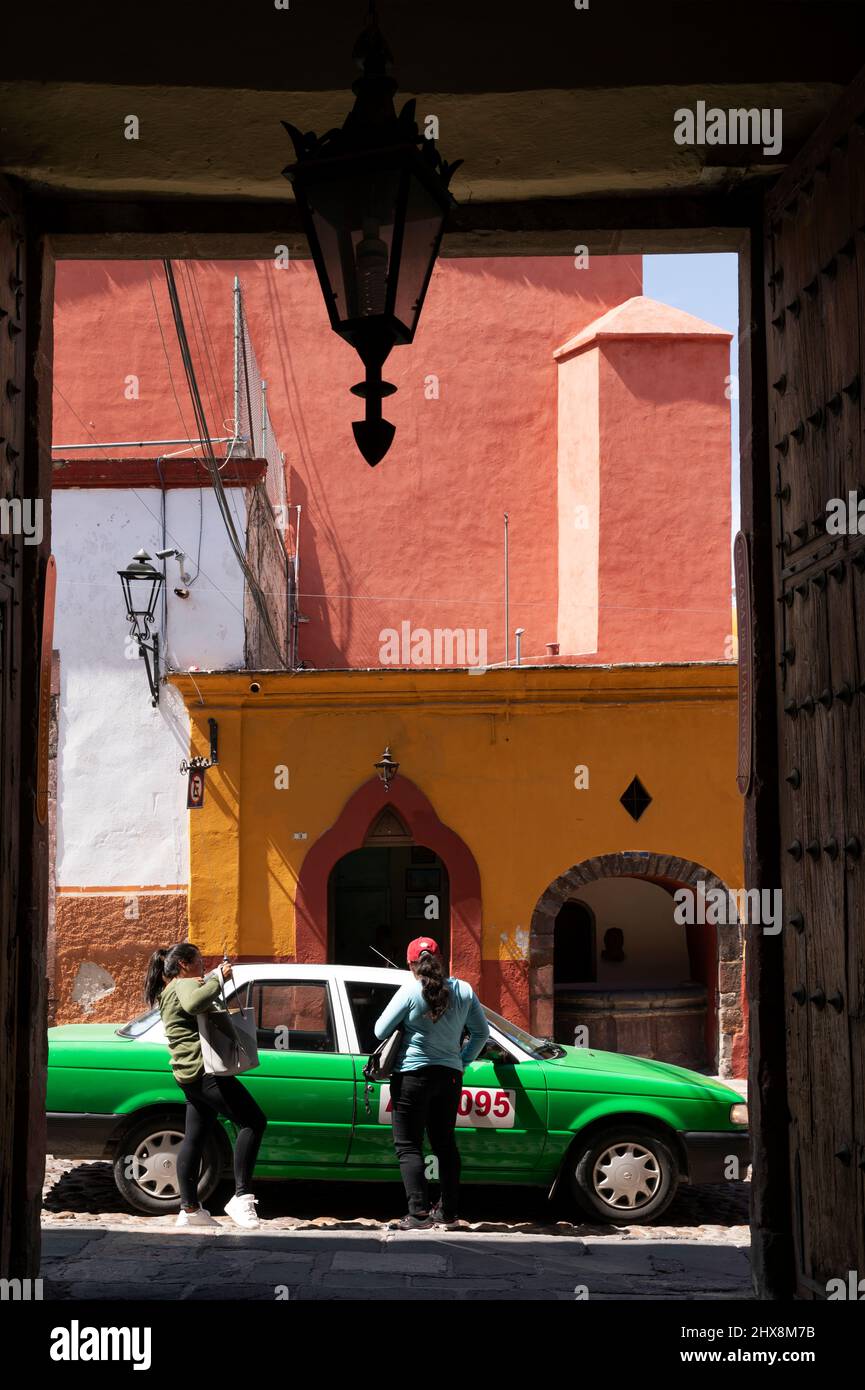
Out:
{"x": 242, "y": 1211}
{"x": 201, "y": 1217}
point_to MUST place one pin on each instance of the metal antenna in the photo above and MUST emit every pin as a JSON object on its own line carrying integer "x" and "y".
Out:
{"x": 384, "y": 957}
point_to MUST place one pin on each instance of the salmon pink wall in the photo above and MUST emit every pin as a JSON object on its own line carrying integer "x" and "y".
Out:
{"x": 644, "y": 488}
{"x": 664, "y": 571}
{"x": 419, "y": 538}
{"x": 629, "y": 420}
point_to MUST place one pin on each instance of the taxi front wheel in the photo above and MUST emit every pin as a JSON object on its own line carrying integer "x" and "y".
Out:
{"x": 145, "y": 1164}
{"x": 624, "y": 1174}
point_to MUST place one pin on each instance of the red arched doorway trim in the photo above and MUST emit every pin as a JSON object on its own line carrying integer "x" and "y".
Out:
{"x": 349, "y": 832}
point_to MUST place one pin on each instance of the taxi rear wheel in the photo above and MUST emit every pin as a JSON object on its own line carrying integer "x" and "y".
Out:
{"x": 145, "y": 1165}
{"x": 624, "y": 1174}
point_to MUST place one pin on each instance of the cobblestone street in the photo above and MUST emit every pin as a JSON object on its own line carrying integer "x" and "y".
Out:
{"x": 512, "y": 1244}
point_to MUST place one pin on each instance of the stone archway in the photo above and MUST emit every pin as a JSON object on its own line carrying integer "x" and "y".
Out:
{"x": 362, "y": 814}
{"x": 666, "y": 869}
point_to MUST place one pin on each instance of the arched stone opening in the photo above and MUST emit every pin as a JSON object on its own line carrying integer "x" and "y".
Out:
{"x": 713, "y": 953}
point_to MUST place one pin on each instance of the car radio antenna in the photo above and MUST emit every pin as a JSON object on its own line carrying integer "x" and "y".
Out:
{"x": 384, "y": 957}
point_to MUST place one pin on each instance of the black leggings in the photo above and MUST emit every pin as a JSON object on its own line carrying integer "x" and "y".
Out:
{"x": 426, "y": 1101}
{"x": 206, "y": 1098}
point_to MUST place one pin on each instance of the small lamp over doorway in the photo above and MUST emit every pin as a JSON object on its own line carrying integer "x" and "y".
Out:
{"x": 386, "y": 768}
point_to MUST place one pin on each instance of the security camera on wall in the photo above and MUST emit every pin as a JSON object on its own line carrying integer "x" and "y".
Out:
{"x": 179, "y": 556}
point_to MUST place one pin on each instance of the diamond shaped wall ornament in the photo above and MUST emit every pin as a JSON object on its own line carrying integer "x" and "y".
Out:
{"x": 635, "y": 799}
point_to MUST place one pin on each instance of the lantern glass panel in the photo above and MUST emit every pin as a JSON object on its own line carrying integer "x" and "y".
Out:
{"x": 353, "y": 220}
{"x": 423, "y": 227}
{"x": 140, "y": 593}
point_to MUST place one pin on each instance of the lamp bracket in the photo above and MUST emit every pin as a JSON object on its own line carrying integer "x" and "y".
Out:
{"x": 191, "y": 764}
{"x": 151, "y": 650}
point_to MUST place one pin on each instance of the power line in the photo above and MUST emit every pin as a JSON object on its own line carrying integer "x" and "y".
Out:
{"x": 208, "y": 355}
{"x": 524, "y": 603}
{"x": 211, "y": 463}
{"x": 168, "y": 363}
{"x": 150, "y": 513}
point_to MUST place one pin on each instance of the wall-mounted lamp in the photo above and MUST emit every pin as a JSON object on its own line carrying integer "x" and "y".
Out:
{"x": 518, "y": 638}
{"x": 386, "y": 768}
{"x": 141, "y": 587}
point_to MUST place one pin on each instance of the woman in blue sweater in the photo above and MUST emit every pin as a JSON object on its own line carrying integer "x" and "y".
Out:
{"x": 427, "y": 1078}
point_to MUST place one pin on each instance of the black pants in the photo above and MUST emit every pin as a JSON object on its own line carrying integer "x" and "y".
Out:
{"x": 427, "y": 1100}
{"x": 206, "y": 1098}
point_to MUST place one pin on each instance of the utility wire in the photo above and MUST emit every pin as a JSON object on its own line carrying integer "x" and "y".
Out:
{"x": 149, "y": 511}
{"x": 168, "y": 363}
{"x": 211, "y": 462}
{"x": 200, "y": 348}
{"x": 193, "y": 299}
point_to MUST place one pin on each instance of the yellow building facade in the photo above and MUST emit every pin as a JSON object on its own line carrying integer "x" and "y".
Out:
{"x": 517, "y": 790}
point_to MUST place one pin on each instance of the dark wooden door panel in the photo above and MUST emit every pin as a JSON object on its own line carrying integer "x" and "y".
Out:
{"x": 13, "y": 1149}
{"x": 814, "y": 304}
{"x": 26, "y": 290}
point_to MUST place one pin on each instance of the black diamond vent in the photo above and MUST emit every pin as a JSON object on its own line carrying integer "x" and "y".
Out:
{"x": 635, "y": 799}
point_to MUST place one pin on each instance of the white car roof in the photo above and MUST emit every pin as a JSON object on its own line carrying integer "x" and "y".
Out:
{"x": 365, "y": 974}
{"x": 358, "y": 974}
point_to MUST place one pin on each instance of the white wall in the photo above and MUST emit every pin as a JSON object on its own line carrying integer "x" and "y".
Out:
{"x": 656, "y": 947}
{"x": 121, "y": 801}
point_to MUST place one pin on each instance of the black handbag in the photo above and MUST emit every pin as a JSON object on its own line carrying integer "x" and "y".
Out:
{"x": 380, "y": 1064}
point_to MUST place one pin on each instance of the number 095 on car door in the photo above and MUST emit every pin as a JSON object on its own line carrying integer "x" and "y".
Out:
{"x": 479, "y": 1108}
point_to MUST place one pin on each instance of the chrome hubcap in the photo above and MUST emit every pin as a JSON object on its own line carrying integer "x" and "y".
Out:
{"x": 626, "y": 1176}
{"x": 154, "y": 1164}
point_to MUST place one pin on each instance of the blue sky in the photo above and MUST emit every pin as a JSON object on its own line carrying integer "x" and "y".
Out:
{"x": 705, "y": 285}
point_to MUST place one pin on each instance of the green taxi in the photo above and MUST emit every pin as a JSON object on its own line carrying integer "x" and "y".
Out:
{"x": 620, "y": 1132}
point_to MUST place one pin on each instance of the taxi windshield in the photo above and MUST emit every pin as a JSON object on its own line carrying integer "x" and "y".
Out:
{"x": 527, "y": 1041}
{"x": 138, "y": 1025}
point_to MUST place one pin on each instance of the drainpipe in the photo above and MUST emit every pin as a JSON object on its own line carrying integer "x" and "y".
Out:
{"x": 237, "y": 359}
{"x": 518, "y": 636}
{"x": 296, "y": 583}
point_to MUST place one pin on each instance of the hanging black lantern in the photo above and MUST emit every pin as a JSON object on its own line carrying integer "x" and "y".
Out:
{"x": 373, "y": 197}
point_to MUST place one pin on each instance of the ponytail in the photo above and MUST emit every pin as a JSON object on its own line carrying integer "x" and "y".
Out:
{"x": 164, "y": 965}
{"x": 430, "y": 972}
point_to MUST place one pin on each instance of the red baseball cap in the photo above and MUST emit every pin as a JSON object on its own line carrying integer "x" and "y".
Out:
{"x": 418, "y": 946}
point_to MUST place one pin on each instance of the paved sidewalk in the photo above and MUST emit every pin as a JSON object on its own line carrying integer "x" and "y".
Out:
{"x": 114, "y": 1262}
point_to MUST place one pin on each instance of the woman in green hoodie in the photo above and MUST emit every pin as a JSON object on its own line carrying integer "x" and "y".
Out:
{"x": 175, "y": 981}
